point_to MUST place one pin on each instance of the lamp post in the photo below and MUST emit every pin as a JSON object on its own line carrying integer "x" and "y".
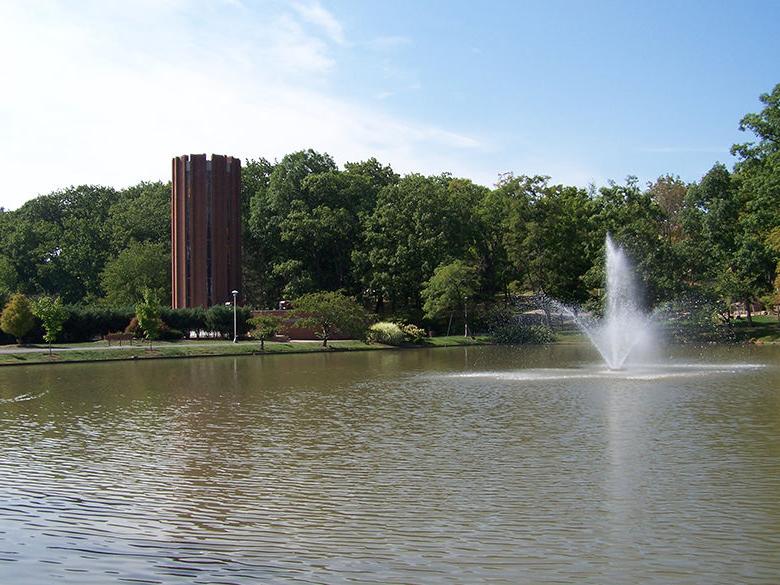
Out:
{"x": 235, "y": 318}
{"x": 465, "y": 316}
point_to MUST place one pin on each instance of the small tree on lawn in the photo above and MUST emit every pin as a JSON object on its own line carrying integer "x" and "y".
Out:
{"x": 17, "y": 318}
{"x": 52, "y": 315}
{"x": 449, "y": 288}
{"x": 148, "y": 314}
{"x": 331, "y": 312}
{"x": 264, "y": 327}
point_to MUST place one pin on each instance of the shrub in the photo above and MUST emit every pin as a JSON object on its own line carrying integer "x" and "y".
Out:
{"x": 17, "y": 318}
{"x": 386, "y": 332}
{"x": 169, "y": 334}
{"x": 518, "y": 334}
{"x": 87, "y": 323}
{"x": 185, "y": 320}
{"x": 413, "y": 333}
{"x": 133, "y": 328}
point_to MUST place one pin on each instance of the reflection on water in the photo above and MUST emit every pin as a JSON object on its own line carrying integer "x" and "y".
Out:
{"x": 442, "y": 466}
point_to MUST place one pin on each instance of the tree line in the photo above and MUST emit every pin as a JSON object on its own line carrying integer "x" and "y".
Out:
{"x": 389, "y": 240}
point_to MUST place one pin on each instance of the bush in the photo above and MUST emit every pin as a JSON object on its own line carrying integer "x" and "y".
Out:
{"x": 17, "y": 318}
{"x": 87, "y": 323}
{"x": 133, "y": 328}
{"x": 413, "y": 333}
{"x": 168, "y": 334}
{"x": 517, "y": 334}
{"x": 219, "y": 319}
{"x": 385, "y": 332}
{"x": 185, "y": 320}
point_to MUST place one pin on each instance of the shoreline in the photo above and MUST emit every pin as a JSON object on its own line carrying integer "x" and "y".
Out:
{"x": 180, "y": 350}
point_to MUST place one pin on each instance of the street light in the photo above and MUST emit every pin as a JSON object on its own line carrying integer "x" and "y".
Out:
{"x": 465, "y": 316}
{"x": 235, "y": 319}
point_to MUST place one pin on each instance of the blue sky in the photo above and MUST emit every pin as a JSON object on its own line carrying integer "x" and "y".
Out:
{"x": 107, "y": 92}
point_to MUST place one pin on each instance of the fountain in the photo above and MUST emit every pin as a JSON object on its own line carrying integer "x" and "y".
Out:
{"x": 625, "y": 328}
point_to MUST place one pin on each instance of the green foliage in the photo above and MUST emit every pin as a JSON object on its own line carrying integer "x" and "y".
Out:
{"x": 141, "y": 266}
{"x": 418, "y": 224}
{"x": 386, "y": 332}
{"x": 185, "y": 319}
{"x": 514, "y": 333}
{"x": 264, "y": 327}
{"x": 141, "y": 213}
{"x": 52, "y": 315}
{"x": 449, "y": 288}
{"x": 329, "y": 313}
{"x": 219, "y": 319}
{"x": 148, "y": 314}
{"x": 85, "y": 323}
{"x": 309, "y": 226}
{"x": 413, "y": 333}
{"x": 17, "y": 317}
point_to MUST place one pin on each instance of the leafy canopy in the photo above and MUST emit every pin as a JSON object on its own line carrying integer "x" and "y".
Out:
{"x": 331, "y": 312}
{"x": 17, "y": 318}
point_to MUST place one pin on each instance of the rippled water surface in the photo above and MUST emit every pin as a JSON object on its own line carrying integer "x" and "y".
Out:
{"x": 476, "y": 465}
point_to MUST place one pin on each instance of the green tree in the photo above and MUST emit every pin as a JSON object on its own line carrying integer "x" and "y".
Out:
{"x": 450, "y": 287}
{"x": 306, "y": 223}
{"x": 140, "y": 266}
{"x": 8, "y": 279}
{"x": 52, "y": 315}
{"x": 559, "y": 242}
{"x": 758, "y": 176}
{"x": 264, "y": 327}
{"x": 330, "y": 312}
{"x": 17, "y": 318}
{"x": 417, "y": 224}
{"x": 57, "y": 243}
{"x": 636, "y": 222}
{"x": 141, "y": 213}
{"x": 668, "y": 192}
{"x": 148, "y": 314}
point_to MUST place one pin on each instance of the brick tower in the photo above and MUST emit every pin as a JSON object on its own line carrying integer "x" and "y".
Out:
{"x": 205, "y": 230}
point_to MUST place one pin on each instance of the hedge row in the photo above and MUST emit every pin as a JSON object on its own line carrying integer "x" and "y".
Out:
{"x": 89, "y": 323}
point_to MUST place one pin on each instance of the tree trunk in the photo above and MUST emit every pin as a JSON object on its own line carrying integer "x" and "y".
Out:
{"x": 262, "y": 344}
{"x": 748, "y": 312}
{"x": 324, "y": 342}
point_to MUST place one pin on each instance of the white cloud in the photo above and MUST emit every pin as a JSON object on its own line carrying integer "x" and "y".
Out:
{"x": 314, "y": 13}
{"x": 108, "y": 94}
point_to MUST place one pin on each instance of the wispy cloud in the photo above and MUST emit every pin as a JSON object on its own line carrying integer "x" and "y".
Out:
{"x": 314, "y": 13}
{"x": 109, "y": 94}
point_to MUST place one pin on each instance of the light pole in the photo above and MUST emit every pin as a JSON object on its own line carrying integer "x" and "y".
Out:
{"x": 235, "y": 318}
{"x": 465, "y": 316}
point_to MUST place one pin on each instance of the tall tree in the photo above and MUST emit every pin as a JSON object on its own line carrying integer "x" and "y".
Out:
{"x": 139, "y": 267}
{"x": 417, "y": 224}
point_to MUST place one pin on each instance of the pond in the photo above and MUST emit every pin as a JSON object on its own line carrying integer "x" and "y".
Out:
{"x": 463, "y": 465}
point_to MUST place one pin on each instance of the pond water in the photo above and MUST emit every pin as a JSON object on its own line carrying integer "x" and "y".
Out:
{"x": 463, "y": 465}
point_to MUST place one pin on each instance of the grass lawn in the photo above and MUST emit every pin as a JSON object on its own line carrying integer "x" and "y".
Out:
{"x": 99, "y": 351}
{"x": 765, "y": 329}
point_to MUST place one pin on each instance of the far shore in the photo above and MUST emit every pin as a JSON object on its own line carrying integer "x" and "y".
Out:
{"x": 764, "y": 331}
{"x": 99, "y": 351}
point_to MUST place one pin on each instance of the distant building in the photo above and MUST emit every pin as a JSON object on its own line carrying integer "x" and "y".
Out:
{"x": 205, "y": 230}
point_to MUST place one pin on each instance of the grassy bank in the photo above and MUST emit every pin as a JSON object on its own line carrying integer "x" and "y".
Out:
{"x": 98, "y": 351}
{"x": 765, "y": 329}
